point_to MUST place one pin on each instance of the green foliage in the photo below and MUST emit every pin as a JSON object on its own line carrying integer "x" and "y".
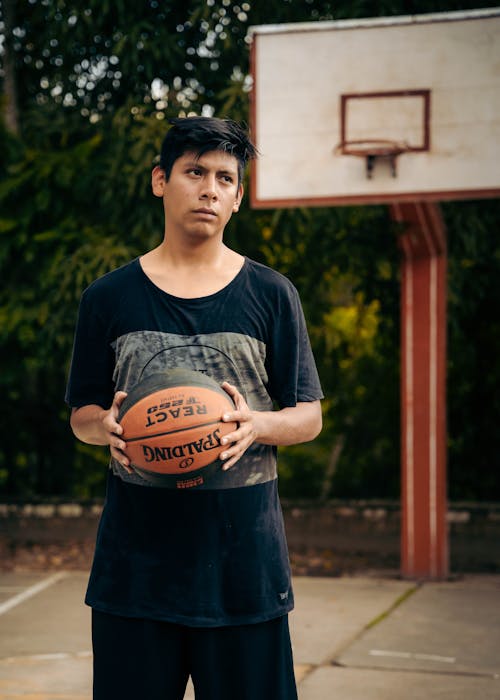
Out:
{"x": 473, "y": 348}
{"x": 344, "y": 262}
{"x": 97, "y": 82}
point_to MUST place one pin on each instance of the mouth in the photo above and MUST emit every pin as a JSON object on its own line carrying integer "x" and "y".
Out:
{"x": 205, "y": 211}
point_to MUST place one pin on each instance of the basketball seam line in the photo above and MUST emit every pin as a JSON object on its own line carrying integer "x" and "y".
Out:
{"x": 171, "y": 432}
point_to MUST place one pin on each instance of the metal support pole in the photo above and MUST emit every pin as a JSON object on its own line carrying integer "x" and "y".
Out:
{"x": 424, "y": 531}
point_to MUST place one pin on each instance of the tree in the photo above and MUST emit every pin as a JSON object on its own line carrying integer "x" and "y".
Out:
{"x": 9, "y": 73}
{"x": 350, "y": 292}
{"x": 96, "y": 84}
{"x": 473, "y": 348}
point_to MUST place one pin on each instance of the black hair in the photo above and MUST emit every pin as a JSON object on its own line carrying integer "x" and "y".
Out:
{"x": 203, "y": 134}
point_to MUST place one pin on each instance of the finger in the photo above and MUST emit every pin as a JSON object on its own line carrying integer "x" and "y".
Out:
{"x": 242, "y": 432}
{"x": 231, "y": 462}
{"x": 117, "y": 443}
{"x": 111, "y": 421}
{"x": 119, "y": 397}
{"x": 230, "y": 388}
{"x": 234, "y": 444}
{"x": 112, "y": 426}
{"x": 244, "y": 429}
{"x": 232, "y": 454}
{"x": 120, "y": 457}
{"x": 234, "y": 394}
{"x": 234, "y": 417}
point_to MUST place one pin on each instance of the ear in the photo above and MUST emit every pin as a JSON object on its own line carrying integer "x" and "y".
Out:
{"x": 158, "y": 181}
{"x": 239, "y": 197}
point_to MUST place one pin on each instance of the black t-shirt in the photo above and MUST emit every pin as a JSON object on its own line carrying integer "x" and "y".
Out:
{"x": 215, "y": 555}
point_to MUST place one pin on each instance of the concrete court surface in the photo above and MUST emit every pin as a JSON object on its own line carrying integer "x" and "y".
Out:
{"x": 357, "y": 638}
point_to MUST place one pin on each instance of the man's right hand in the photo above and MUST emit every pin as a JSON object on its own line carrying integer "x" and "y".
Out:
{"x": 97, "y": 426}
{"x": 115, "y": 430}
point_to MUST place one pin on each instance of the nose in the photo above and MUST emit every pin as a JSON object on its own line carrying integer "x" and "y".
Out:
{"x": 208, "y": 190}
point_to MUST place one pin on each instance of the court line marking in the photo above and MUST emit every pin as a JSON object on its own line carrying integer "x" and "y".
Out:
{"x": 31, "y": 591}
{"x": 55, "y": 656}
{"x": 412, "y": 655}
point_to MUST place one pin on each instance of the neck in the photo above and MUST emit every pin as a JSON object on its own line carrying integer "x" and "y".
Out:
{"x": 189, "y": 274}
{"x": 201, "y": 253}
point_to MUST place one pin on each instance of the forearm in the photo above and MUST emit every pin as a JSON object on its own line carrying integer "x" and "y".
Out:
{"x": 87, "y": 424}
{"x": 288, "y": 426}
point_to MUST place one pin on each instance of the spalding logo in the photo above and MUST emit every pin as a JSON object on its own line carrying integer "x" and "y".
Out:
{"x": 162, "y": 454}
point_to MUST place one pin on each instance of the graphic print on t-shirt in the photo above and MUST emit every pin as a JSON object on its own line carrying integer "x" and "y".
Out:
{"x": 232, "y": 357}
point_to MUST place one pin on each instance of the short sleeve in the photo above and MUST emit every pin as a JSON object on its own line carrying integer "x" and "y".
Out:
{"x": 293, "y": 376}
{"x": 90, "y": 378}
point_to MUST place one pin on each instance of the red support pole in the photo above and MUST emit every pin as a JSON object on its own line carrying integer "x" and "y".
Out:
{"x": 424, "y": 533}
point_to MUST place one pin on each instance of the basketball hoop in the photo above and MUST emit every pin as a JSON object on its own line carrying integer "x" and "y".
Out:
{"x": 373, "y": 149}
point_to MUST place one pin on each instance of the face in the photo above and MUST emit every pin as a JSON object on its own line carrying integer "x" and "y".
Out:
{"x": 201, "y": 194}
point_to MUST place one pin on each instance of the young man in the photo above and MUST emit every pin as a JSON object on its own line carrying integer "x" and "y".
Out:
{"x": 195, "y": 582}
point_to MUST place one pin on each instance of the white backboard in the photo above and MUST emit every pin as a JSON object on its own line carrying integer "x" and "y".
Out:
{"x": 430, "y": 82}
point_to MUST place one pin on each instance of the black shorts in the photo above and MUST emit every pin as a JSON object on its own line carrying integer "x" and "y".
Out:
{"x": 152, "y": 660}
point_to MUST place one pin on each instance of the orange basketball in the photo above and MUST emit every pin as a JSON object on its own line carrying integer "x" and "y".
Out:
{"x": 172, "y": 426}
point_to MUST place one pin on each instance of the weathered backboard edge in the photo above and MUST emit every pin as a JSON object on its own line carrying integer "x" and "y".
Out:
{"x": 443, "y": 195}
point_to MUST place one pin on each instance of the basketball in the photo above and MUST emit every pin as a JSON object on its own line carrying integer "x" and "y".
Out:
{"x": 172, "y": 426}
